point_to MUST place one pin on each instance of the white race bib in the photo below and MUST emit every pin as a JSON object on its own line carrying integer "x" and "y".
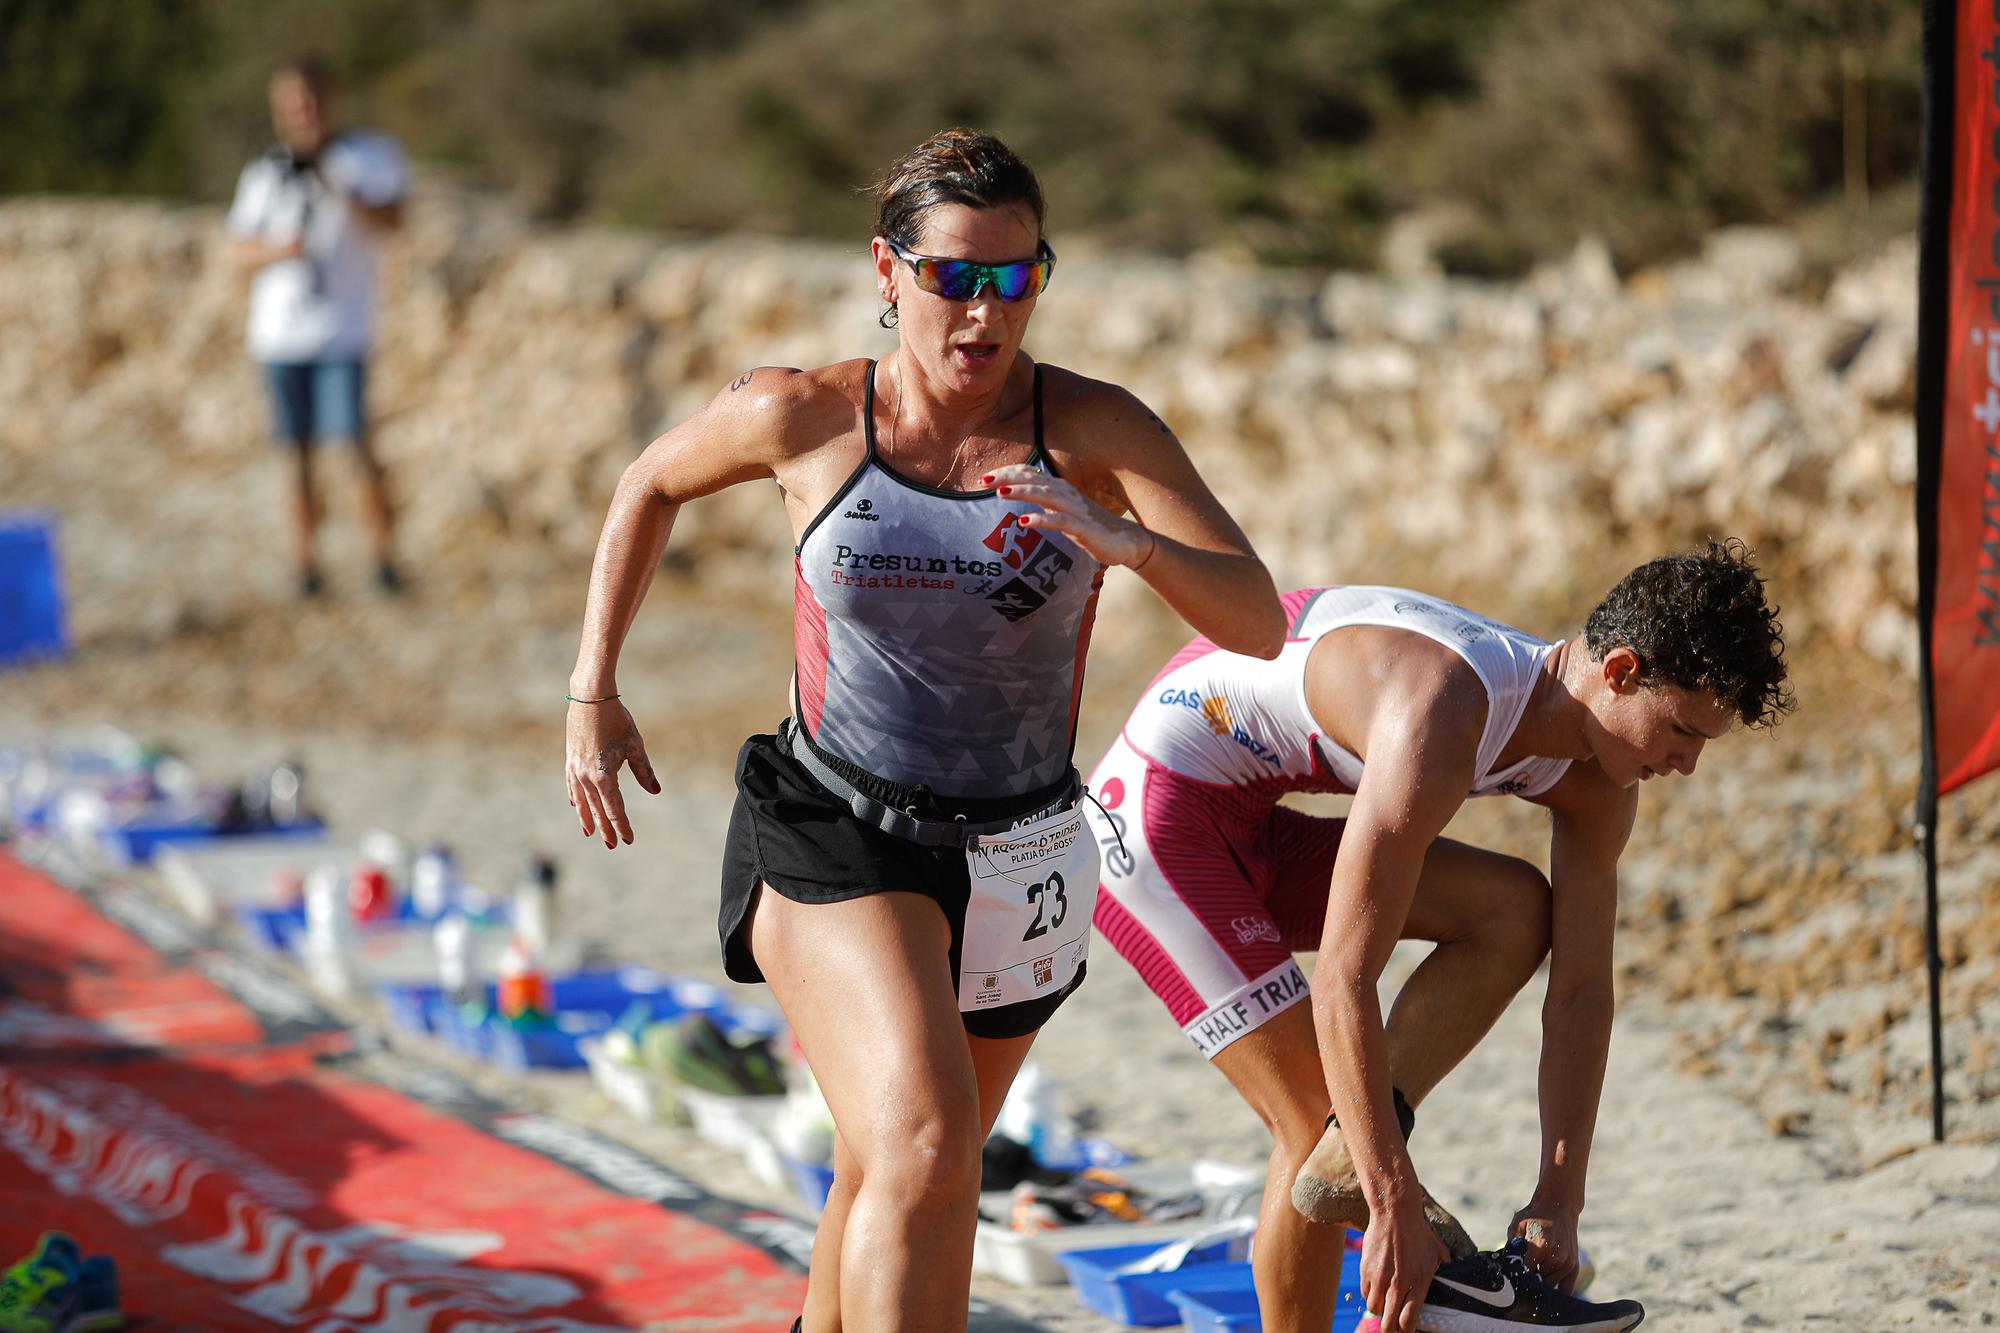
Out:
{"x": 1027, "y": 923}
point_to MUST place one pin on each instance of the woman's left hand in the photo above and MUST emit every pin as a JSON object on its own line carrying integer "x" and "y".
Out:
{"x": 1107, "y": 537}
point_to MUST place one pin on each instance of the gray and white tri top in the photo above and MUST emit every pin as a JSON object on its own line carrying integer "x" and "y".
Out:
{"x": 940, "y": 642}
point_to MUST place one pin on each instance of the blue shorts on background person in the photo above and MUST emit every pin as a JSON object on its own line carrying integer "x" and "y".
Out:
{"x": 316, "y": 401}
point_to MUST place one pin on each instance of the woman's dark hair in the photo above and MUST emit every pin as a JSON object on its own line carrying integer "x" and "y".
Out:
{"x": 1700, "y": 621}
{"x": 957, "y": 166}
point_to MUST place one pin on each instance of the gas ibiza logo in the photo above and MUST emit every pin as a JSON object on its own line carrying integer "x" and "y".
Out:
{"x": 1213, "y": 709}
{"x": 1040, "y": 563}
{"x": 863, "y": 510}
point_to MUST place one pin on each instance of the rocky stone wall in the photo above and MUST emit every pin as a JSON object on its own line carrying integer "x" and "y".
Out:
{"x": 1518, "y": 445}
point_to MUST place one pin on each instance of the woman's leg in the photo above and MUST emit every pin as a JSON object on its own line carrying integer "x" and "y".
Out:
{"x": 867, "y": 990}
{"x": 995, "y": 1062}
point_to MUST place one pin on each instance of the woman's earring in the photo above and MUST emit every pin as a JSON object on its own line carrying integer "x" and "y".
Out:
{"x": 888, "y": 318}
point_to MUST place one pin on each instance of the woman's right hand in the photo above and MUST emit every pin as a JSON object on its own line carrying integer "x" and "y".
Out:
{"x": 599, "y": 738}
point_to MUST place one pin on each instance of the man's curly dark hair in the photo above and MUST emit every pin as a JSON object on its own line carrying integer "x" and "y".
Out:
{"x": 1700, "y": 621}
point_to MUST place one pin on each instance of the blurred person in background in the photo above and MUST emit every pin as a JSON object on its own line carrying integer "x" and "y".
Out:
{"x": 907, "y": 866}
{"x": 1411, "y": 705}
{"x": 307, "y": 223}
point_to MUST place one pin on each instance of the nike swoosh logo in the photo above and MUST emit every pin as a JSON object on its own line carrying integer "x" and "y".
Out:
{"x": 1499, "y": 1300}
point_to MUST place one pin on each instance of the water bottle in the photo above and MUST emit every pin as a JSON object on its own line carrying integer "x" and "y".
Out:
{"x": 1032, "y": 1114}
{"x": 286, "y": 790}
{"x": 368, "y": 893}
{"x": 524, "y": 997}
{"x": 431, "y": 876}
{"x": 534, "y": 905}
{"x": 452, "y": 939}
{"x": 328, "y": 933}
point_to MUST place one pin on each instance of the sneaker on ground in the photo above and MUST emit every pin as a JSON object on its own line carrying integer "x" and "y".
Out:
{"x": 38, "y": 1294}
{"x": 1496, "y": 1291}
{"x": 54, "y": 1249}
{"x": 704, "y": 1057}
{"x": 96, "y": 1307}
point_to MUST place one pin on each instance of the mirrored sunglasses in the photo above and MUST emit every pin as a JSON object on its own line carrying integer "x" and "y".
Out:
{"x": 961, "y": 279}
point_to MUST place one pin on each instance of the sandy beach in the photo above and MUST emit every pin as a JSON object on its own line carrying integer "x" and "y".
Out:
{"x": 1742, "y": 1176}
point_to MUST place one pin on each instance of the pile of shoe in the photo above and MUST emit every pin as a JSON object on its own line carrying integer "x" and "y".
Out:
{"x": 694, "y": 1051}
{"x": 57, "y": 1290}
{"x": 1095, "y": 1195}
{"x": 701, "y": 1055}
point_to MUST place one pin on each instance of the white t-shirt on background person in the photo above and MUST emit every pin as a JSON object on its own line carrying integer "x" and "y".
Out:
{"x": 321, "y": 306}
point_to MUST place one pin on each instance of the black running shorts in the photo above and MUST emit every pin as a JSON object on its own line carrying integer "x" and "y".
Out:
{"x": 788, "y": 832}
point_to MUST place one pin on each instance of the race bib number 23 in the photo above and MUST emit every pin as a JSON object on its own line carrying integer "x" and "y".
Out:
{"x": 1027, "y": 923}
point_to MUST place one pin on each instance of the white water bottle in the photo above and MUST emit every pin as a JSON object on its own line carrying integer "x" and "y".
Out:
{"x": 534, "y": 906}
{"x": 1032, "y": 1113}
{"x": 329, "y": 933}
{"x": 452, "y": 939}
{"x": 431, "y": 876}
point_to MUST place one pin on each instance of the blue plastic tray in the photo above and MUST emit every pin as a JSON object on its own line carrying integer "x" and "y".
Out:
{"x": 811, "y": 1183}
{"x": 281, "y": 928}
{"x": 1143, "y": 1300}
{"x": 587, "y": 1004}
{"x": 134, "y": 839}
{"x": 31, "y": 595}
{"x": 1234, "y": 1309}
{"x": 1230, "y": 1310}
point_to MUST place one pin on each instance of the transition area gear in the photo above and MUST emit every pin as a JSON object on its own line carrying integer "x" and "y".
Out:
{"x": 1210, "y": 886}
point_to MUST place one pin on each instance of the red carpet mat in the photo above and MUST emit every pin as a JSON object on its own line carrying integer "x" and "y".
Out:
{"x": 250, "y": 1186}
{"x": 253, "y": 1190}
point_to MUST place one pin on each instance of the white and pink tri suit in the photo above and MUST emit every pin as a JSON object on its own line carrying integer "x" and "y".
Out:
{"x": 1217, "y": 885}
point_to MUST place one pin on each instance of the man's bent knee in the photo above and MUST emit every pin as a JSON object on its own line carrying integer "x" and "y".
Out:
{"x": 1521, "y": 929}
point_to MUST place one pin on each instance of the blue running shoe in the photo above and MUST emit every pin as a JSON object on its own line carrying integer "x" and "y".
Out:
{"x": 96, "y": 1305}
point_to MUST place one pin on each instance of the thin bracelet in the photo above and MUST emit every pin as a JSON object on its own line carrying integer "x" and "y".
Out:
{"x": 1150, "y": 550}
{"x": 605, "y": 700}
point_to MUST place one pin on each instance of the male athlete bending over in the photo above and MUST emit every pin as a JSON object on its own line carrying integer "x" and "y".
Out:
{"x": 1411, "y": 704}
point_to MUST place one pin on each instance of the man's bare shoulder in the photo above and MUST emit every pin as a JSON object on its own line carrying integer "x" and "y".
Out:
{"x": 1400, "y": 672}
{"x": 1375, "y": 685}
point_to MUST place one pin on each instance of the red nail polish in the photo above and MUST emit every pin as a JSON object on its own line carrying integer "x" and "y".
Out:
{"x": 1006, "y": 490}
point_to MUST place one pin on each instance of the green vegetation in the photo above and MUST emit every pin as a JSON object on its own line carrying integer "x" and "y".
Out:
{"x": 1293, "y": 129}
